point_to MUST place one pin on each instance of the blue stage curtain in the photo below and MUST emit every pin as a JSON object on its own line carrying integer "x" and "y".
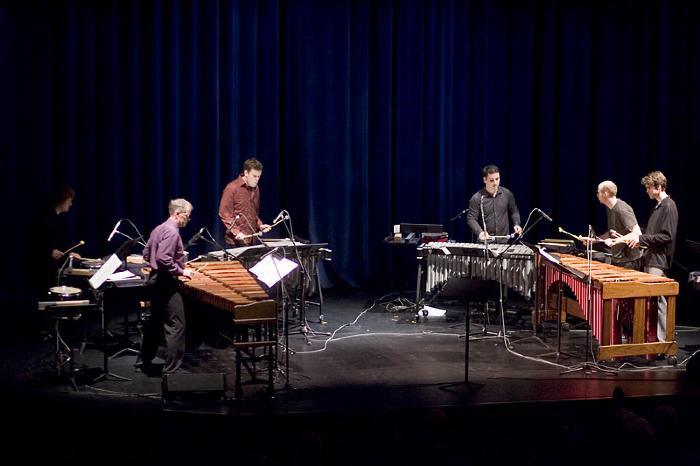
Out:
{"x": 364, "y": 113}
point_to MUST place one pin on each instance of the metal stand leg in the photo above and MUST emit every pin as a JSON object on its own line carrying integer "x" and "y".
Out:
{"x": 304, "y": 328}
{"x": 105, "y": 358}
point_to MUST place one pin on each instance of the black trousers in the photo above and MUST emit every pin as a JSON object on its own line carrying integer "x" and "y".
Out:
{"x": 167, "y": 322}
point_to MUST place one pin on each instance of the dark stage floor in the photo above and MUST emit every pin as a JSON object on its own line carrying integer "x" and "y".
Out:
{"x": 386, "y": 388}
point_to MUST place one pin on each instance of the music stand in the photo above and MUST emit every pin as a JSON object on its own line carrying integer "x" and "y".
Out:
{"x": 96, "y": 281}
{"x": 271, "y": 270}
{"x": 469, "y": 290}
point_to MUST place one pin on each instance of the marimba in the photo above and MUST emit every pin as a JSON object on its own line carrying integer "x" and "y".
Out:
{"x": 614, "y": 292}
{"x": 228, "y": 286}
{"x": 471, "y": 260}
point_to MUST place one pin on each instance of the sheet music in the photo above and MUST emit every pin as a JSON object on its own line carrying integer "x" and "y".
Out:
{"x": 122, "y": 276}
{"x": 271, "y": 269}
{"x": 105, "y": 271}
{"x": 549, "y": 257}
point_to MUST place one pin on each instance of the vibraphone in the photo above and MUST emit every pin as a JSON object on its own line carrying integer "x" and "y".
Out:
{"x": 228, "y": 286}
{"x": 614, "y": 289}
{"x": 446, "y": 260}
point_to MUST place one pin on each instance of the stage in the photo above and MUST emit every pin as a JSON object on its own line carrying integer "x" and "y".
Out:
{"x": 386, "y": 388}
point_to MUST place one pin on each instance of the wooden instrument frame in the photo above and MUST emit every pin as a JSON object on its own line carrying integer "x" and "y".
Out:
{"x": 611, "y": 282}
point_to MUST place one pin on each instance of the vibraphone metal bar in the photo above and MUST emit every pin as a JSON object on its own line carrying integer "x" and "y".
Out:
{"x": 446, "y": 260}
{"x": 612, "y": 285}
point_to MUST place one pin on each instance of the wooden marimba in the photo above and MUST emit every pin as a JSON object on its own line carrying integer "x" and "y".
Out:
{"x": 614, "y": 291}
{"x": 228, "y": 286}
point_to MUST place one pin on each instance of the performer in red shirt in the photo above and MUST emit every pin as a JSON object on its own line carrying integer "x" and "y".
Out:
{"x": 240, "y": 206}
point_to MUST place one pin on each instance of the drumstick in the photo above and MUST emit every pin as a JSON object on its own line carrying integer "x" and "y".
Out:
{"x": 253, "y": 235}
{"x": 76, "y": 246}
{"x": 578, "y": 237}
{"x": 201, "y": 267}
{"x": 195, "y": 259}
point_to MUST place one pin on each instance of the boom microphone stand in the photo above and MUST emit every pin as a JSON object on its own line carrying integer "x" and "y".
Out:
{"x": 485, "y": 271}
{"x": 520, "y": 239}
{"x": 304, "y": 278}
{"x": 586, "y": 366}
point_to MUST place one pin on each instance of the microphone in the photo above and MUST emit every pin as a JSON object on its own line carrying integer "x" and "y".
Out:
{"x": 196, "y": 236}
{"x": 547, "y": 217}
{"x": 116, "y": 227}
{"x": 281, "y": 216}
{"x": 459, "y": 214}
{"x": 235, "y": 220}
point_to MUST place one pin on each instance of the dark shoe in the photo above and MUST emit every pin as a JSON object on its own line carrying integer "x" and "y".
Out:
{"x": 140, "y": 363}
{"x": 152, "y": 370}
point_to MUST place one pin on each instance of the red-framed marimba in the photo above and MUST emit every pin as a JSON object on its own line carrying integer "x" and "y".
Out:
{"x": 619, "y": 298}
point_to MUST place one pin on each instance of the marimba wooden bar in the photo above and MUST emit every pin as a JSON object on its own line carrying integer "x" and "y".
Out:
{"x": 228, "y": 286}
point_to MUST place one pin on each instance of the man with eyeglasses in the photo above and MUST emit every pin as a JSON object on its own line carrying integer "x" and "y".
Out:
{"x": 165, "y": 254}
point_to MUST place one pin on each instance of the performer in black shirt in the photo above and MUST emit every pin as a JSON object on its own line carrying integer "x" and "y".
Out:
{"x": 50, "y": 228}
{"x": 493, "y": 207}
{"x": 622, "y": 225}
{"x": 659, "y": 238}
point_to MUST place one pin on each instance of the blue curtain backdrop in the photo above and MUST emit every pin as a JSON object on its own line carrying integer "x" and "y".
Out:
{"x": 365, "y": 114}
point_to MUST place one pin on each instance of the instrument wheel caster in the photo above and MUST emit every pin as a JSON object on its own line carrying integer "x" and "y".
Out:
{"x": 565, "y": 327}
{"x": 672, "y": 360}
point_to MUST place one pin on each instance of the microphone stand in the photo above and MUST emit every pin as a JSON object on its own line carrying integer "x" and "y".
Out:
{"x": 304, "y": 276}
{"x": 139, "y": 237}
{"x": 528, "y": 227}
{"x": 459, "y": 214}
{"x": 226, "y": 254}
{"x": 586, "y": 366}
{"x": 487, "y": 253}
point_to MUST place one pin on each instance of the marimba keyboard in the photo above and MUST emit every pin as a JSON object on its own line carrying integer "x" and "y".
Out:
{"x": 230, "y": 287}
{"x": 613, "y": 291}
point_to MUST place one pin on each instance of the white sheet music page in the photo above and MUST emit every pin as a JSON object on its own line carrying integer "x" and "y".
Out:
{"x": 550, "y": 257}
{"x": 271, "y": 269}
{"x": 122, "y": 276}
{"x": 105, "y": 271}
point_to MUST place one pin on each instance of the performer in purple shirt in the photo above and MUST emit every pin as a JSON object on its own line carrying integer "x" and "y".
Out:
{"x": 166, "y": 256}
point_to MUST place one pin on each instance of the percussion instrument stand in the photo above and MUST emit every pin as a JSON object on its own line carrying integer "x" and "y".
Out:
{"x": 560, "y": 299}
{"x": 99, "y": 297}
{"x": 62, "y": 352}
